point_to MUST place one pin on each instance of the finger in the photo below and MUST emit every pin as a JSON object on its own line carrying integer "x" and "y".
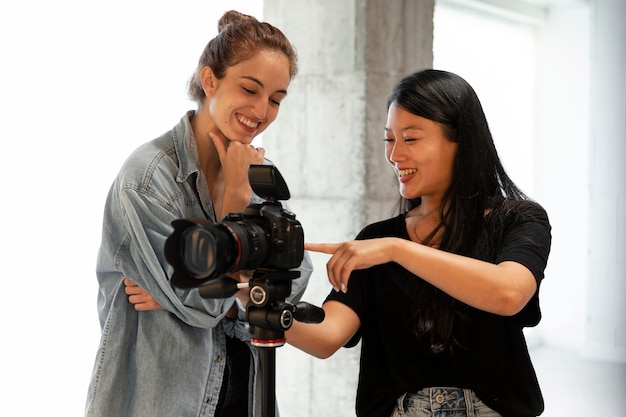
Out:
{"x": 331, "y": 270}
{"x": 344, "y": 274}
{"x": 144, "y": 302}
{"x": 148, "y": 306}
{"x": 258, "y": 155}
{"x": 242, "y": 276}
{"x": 340, "y": 267}
{"x": 141, "y": 307}
{"x": 129, "y": 283}
{"x": 331, "y": 267}
{"x": 133, "y": 290}
{"x": 135, "y": 299}
{"x": 329, "y": 248}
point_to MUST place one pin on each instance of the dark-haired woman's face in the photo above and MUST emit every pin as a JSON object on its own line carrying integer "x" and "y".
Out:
{"x": 246, "y": 101}
{"x": 420, "y": 153}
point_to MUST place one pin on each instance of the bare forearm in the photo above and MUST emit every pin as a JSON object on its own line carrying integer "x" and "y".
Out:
{"x": 500, "y": 289}
{"x": 323, "y": 339}
{"x": 306, "y": 337}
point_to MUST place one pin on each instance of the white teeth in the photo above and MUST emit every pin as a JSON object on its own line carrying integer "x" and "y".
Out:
{"x": 248, "y": 122}
{"x": 404, "y": 172}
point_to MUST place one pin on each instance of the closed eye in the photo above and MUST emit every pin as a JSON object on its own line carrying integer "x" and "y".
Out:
{"x": 406, "y": 140}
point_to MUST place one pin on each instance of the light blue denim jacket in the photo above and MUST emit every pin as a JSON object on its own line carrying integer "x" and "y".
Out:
{"x": 161, "y": 363}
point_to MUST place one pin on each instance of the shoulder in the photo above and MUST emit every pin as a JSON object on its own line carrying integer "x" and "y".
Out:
{"x": 147, "y": 160}
{"x": 524, "y": 231}
{"x": 394, "y": 226}
{"x": 522, "y": 211}
{"x": 171, "y": 154}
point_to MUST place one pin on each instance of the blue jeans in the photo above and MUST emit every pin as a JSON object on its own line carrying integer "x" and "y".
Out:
{"x": 442, "y": 402}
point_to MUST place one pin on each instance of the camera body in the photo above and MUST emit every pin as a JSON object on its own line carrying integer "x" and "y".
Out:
{"x": 284, "y": 237}
{"x": 264, "y": 236}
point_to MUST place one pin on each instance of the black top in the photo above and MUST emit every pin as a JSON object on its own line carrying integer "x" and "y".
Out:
{"x": 493, "y": 360}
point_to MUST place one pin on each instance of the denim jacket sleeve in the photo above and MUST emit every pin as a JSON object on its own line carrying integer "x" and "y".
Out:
{"x": 149, "y": 226}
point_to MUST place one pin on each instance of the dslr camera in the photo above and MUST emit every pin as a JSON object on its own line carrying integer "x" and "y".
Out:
{"x": 264, "y": 236}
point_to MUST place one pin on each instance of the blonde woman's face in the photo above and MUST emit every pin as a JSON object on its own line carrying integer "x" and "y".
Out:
{"x": 246, "y": 101}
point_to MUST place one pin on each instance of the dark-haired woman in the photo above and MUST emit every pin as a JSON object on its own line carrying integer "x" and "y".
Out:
{"x": 439, "y": 295}
{"x": 191, "y": 357}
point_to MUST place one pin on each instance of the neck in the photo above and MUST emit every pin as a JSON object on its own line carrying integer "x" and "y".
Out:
{"x": 210, "y": 164}
{"x": 202, "y": 124}
{"x": 423, "y": 221}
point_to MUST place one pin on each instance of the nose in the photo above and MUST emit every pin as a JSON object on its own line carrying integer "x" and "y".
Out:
{"x": 259, "y": 110}
{"x": 396, "y": 152}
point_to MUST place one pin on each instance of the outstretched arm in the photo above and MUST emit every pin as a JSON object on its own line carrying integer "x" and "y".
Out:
{"x": 324, "y": 339}
{"x": 502, "y": 289}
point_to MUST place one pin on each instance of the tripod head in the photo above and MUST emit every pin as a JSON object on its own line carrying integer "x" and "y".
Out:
{"x": 268, "y": 312}
{"x": 269, "y": 315}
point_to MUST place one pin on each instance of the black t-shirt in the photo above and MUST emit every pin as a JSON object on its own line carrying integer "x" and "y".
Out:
{"x": 493, "y": 360}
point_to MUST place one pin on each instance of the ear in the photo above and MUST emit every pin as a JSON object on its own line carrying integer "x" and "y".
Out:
{"x": 208, "y": 80}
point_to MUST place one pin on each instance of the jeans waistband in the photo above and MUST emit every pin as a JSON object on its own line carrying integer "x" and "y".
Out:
{"x": 439, "y": 398}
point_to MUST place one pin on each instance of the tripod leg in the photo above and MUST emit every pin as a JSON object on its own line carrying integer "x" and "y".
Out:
{"x": 268, "y": 375}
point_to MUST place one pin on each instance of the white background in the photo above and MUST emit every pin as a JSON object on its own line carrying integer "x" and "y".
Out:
{"x": 82, "y": 83}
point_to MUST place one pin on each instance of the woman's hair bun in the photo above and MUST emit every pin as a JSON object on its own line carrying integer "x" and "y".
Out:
{"x": 233, "y": 16}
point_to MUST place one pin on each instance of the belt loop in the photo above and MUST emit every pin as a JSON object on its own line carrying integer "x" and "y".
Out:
{"x": 431, "y": 392}
{"x": 469, "y": 402}
{"x": 401, "y": 403}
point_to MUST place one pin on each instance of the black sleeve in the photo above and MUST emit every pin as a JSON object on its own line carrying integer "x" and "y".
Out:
{"x": 356, "y": 296}
{"x": 527, "y": 240}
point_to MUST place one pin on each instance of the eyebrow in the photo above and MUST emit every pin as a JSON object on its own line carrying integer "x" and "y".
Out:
{"x": 257, "y": 81}
{"x": 404, "y": 129}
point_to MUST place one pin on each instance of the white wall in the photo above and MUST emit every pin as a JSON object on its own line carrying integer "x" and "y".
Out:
{"x": 562, "y": 136}
{"x": 551, "y": 79}
{"x": 81, "y": 85}
{"x": 605, "y": 330}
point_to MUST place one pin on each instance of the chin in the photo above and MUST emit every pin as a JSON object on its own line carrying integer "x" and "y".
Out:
{"x": 407, "y": 194}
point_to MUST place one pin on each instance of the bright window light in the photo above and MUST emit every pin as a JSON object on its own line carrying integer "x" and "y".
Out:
{"x": 496, "y": 55}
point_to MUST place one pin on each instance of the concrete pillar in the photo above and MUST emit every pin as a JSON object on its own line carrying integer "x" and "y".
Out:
{"x": 327, "y": 143}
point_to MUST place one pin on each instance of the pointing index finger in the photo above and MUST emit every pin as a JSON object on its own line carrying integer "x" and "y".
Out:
{"x": 329, "y": 248}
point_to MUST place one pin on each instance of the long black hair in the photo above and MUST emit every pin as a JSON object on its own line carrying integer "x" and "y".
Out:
{"x": 479, "y": 184}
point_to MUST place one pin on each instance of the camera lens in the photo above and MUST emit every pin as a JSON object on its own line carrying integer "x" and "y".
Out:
{"x": 211, "y": 250}
{"x": 251, "y": 241}
{"x": 198, "y": 252}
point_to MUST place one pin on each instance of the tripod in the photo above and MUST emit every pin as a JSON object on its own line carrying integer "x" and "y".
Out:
{"x": 269, "y": 316}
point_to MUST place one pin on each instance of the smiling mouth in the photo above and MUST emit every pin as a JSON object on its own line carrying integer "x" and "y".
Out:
{"x": 404, "y": 172}
{"x": 247, "y": 122}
